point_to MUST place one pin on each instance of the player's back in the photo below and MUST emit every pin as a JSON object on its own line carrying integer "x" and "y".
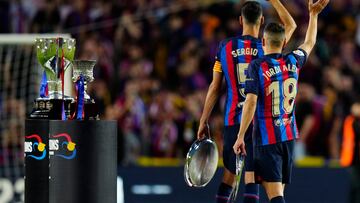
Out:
{"x": 277, "y": 78}
{"x": 234, "y": 55}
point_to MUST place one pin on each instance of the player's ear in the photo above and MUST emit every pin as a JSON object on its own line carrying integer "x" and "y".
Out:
{"x": 262, "y": 20}
{"x": 241, "y": 20}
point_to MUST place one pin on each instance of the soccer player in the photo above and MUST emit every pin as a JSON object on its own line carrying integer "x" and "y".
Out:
{"x": 232, "y": 61}
{"x": 270, "y": 91}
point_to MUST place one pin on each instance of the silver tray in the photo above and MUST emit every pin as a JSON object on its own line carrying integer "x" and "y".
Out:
{"x": 201, "y": 163}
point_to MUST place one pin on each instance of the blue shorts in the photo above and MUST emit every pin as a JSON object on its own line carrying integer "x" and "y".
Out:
{"x": 274, "y": 163}
{"x": 229, "y": 157}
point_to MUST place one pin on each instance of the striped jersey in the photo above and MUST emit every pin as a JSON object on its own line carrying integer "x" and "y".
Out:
{"x": 274, "y": 78}
{"x": 232, "y": 59}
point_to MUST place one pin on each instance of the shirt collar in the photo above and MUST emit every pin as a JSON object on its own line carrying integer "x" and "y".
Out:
{"x": 248, "y": 37}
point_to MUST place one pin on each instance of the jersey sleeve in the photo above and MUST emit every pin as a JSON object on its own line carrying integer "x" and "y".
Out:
{"x": 217, "y": 66}
{"x": 218, "y": 51}
{"x": 252, "y": 79}
{"x": 300, "y": 56}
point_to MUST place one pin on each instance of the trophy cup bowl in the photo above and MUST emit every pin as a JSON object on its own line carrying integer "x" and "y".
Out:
{"x": 52, "y": 53}
{"x": 85, "y": 68}
{"x": 55, "y": 56}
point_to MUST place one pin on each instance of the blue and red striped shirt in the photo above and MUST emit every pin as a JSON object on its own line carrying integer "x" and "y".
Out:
{"x": 234, "y": 55}
{"x": 273, "y": 78}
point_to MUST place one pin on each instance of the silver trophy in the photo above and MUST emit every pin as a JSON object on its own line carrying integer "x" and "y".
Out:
{"x": 85, "y": 68}
{"x": 55, "y": 56}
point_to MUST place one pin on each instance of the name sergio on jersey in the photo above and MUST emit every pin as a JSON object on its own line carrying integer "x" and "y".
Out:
{"x": 277, "y": 69}
{"x": 245, "y": 51}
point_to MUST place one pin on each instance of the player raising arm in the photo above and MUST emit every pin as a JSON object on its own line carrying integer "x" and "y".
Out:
{"x": 310, "y": 38}
{"x": 232, "y": 61}
{"x": 271, "y": 89}
{"x": 286, "y": 19}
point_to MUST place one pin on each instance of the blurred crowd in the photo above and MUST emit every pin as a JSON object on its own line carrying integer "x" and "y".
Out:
{"x": 155, "y": 60}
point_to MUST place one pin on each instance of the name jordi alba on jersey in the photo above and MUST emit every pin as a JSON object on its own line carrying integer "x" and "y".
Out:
{"x": 278, "y": 69}
{"x": 274, "y": 79}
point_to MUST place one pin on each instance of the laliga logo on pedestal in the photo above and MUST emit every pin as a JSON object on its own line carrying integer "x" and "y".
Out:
{"x": 65, "y": 149}
{"x": 38, "y": 145}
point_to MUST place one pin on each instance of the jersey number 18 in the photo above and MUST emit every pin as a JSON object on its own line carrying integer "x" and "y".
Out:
{"x": 289, "y": 89}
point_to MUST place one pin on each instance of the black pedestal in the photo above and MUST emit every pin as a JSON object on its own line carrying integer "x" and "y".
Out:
{"x": 70, "y": 161}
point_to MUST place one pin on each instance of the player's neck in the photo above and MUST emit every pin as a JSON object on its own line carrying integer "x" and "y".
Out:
{"x": 251, "y": 30}
{"x": 271, "y": 51}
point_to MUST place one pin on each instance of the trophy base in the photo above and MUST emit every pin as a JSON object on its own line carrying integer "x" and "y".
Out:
{"x": 91, "y": 110}
{"x": 52, "y": 109}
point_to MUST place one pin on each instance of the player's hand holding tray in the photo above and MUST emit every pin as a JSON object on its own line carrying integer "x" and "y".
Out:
{"x": 201, "y": 162}
{"x": 239, "y": 168}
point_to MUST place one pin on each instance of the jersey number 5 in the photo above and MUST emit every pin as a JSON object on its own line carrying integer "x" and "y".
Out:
{"x": 289, "y": 90}
{"x": 241, "y": 68}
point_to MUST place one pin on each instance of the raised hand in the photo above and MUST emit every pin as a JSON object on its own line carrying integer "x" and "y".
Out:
{"x": 317, "y": 7}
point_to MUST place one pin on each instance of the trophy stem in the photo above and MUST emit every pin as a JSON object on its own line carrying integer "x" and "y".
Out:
{"x": 86, "y": 96}
{"x": 55, "y": 89}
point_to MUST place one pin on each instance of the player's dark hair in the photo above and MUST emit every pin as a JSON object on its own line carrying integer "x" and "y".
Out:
{"x": 275, "y": 33}
{"x": 251, "y": 11}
